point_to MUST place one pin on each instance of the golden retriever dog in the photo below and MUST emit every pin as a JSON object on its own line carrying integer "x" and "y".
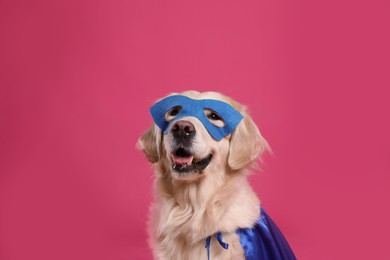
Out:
{"x": 202, "y": 196}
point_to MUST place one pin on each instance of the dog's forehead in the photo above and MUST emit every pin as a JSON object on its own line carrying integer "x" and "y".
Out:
{"x": 205, "y": 95}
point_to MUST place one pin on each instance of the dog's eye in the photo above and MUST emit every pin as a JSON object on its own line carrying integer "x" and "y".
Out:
{"x": 172, "y": 113}
{"x": 214, "y": 116}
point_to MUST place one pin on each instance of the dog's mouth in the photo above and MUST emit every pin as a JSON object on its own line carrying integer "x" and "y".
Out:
{"x": 183, "y": 162}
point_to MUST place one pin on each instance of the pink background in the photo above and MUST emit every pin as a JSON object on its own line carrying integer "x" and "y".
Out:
{"x": 77, "y": 79}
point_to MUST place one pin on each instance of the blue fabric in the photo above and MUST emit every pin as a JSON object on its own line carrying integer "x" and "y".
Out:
{"x": 195, "y": 108}
{"x": 265, "y": 241}
{"x": 218, "y": 236}
{"x": 262, "y": 242}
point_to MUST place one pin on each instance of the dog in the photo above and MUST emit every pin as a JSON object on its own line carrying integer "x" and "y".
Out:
{"x": 202, "y": 147}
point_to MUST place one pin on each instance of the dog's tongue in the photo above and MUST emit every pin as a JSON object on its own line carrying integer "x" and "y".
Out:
{"x": 183, "y": 160}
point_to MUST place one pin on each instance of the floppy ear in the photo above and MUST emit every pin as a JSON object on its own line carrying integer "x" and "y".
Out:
{"x": 246, "y": 144}
{"x": 150, "y": 144}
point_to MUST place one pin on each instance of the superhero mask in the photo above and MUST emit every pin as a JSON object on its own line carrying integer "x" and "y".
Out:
{"x": 196, "y": 108}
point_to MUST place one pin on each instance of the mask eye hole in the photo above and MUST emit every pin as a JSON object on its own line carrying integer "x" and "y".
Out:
{"x": 214, "y": 118}
{"x": 172, "y": 113}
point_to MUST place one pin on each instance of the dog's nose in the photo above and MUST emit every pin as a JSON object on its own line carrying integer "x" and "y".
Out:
{"x": 183, "y": 129}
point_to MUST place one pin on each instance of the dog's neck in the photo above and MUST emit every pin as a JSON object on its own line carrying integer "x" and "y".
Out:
{"x": 204, "y": 207}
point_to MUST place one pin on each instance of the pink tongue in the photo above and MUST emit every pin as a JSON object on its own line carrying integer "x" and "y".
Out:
{"x": 182, "y": 160}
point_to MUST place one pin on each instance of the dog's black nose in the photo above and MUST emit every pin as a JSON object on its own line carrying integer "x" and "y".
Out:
{"x": 183, "y": 130}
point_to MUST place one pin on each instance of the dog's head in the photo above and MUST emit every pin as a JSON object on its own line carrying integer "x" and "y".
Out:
{"x": 191, "y": 139}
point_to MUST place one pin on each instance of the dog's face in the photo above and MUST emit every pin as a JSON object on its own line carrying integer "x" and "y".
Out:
{"x": 188, "y": 152}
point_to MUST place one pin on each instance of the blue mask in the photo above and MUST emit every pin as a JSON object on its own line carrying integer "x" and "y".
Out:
{"x": 195, "y": 108}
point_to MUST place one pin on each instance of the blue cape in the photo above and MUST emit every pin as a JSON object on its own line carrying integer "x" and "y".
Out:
{"x": 265, "y": 241}
{"x": 262, "y": 242}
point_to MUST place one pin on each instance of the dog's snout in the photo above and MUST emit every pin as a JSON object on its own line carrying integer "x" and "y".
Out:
{"x": 183, "y": 129}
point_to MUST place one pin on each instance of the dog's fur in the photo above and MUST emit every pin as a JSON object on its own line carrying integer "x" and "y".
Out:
{"x": 190, "y": 208}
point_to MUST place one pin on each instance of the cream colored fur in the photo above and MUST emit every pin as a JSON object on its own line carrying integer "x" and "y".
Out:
{"x": 189, "y": 209}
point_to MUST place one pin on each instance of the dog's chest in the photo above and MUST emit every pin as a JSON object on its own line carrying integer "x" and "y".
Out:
{"x": 183, "y": 232}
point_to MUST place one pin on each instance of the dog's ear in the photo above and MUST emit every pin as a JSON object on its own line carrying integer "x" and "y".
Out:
{"x": 150, "y": 144}
{"x": 246, "y": 144}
